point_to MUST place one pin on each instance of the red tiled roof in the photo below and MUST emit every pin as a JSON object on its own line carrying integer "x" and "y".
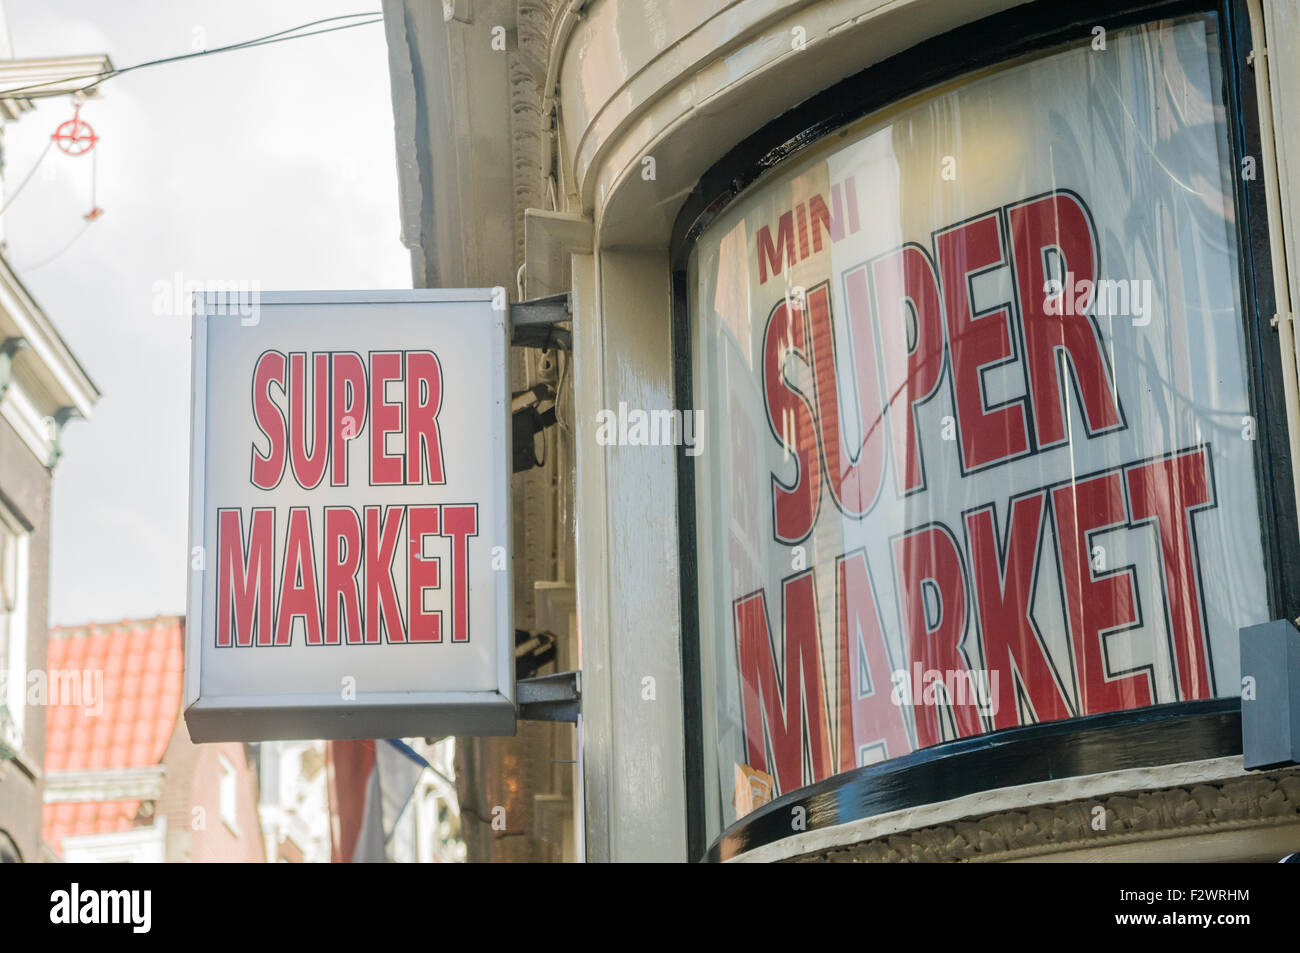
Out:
{"x": 87, "y": 817}
{"x": 143, "y": 673}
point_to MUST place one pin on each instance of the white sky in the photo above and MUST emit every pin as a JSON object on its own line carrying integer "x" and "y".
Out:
{"x": 273, "y": 165}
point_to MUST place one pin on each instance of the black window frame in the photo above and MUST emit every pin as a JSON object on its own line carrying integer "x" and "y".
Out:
{"x": 1161, "y": 734}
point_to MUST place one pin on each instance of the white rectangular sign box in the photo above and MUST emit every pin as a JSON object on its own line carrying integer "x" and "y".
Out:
{"x": 349, "y": 517}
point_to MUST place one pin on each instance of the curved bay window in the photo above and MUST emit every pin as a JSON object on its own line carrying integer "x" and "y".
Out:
{"x": 987, "y": 426}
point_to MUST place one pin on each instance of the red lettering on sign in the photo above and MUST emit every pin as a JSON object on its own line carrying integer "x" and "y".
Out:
{"x": 801, "y": 215}
{"x": 871, "y": 724}
{"x": 423, "y": 402}
{"x": 245, "y": 580}
{"x": 790, "y": 415}
{"x": 776, "y": 256}
{"x": 422, "y": 573}
{"x": 1166, "y": 493}
{"x": 385, "y": 418}
{"x": 912, "y": 349}
{"x": 784, "y": 709}
{"x": 269, "y": 470}
{"x": 299, "y": 596}
{"x": 342, "y": 563}
{"x": 460, "y": 523}
{"x": 854, "y": 475}
{"x": 927, "y": 559}
{"x": 1004, "y": 593}
{"x": 349, "y": 402}
{"x": 977, "y": 342}
{"x": 830, "y": 219}
{"x": 1099, "y": 601}
{"x": 309, "y": 466}
{"x": 1058, "y": 225}
{"x": 383, "y": 613}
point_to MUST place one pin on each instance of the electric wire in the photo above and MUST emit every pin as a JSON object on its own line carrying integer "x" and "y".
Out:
{"x": 89, "y": 217}
{"x": 26, "y": 92}
{"x": 25, "y": 269}
{"x": 37, "y": 91}
{"x": 9, "y": 199}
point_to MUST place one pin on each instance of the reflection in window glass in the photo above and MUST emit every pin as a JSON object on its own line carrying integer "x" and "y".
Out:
{"x": 982, "y": 442}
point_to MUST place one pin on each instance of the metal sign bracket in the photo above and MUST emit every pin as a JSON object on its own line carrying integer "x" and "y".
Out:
{"x": 537, "y": 323}
{"x": 555, "y": 697}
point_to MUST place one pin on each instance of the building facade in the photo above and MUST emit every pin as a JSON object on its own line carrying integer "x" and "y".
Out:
{"x": 41, "y": 387}
{"x": 929, "y": 426}
{"x": 293, "y": 802}
{"x": 123, "y": 781}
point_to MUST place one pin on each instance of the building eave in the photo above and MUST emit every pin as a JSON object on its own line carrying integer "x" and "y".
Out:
{"x": 451, "y": 115}
{"x": 46, "y": 357}
{"x": 44, "y": 77}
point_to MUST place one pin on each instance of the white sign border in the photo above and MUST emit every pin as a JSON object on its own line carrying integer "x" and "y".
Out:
{"x": 266, "y": 717}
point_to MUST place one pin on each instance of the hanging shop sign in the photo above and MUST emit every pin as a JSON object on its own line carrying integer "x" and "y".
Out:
{"x": 349, "y": 517}
{"x": 992, "y": 455}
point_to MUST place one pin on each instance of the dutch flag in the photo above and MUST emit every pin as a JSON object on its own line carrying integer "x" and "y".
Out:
{"x": 370, "y": 784}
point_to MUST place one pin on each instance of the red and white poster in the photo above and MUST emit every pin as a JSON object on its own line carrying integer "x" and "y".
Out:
{"x": 986, "y": 454}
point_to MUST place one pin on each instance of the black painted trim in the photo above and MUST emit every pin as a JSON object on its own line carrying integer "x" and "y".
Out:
{"x": 1094, "y": 744}
{"x": 1274, "y": 478}
{"x": 1032, "y": 28}
{"x": 688, "y": 590}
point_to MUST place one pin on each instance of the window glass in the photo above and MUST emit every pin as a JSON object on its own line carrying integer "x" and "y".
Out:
{"x": 982, "y": 451}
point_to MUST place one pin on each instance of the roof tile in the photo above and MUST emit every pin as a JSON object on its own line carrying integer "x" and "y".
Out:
{"x": 141, "y": 664}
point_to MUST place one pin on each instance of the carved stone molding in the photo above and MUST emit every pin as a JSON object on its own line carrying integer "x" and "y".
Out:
{"x": 1262, "y": 800}
{"x": 529, "y": 129}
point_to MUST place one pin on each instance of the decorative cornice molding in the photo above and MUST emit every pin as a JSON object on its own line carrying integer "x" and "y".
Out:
{"x": 1262, "y": 800}
{"x": 46, "y": 357}
{"x": 528, "y": 127}
{"x": 39, "y": 433}
{"x": 111, "y": 784}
